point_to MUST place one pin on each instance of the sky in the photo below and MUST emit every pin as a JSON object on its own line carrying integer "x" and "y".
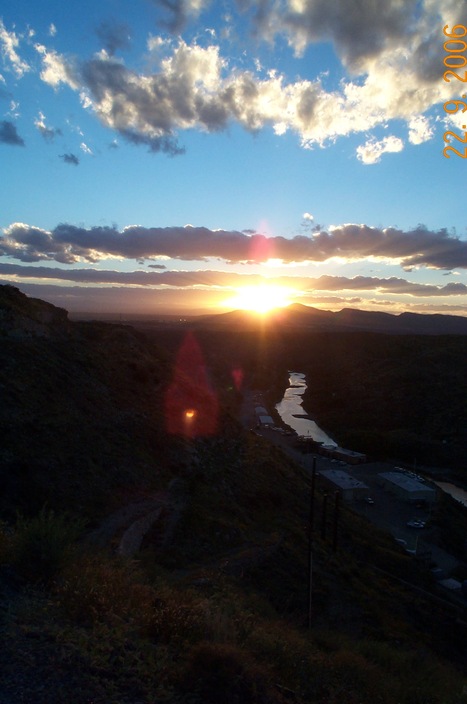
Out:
{"x": 187, "y": 156}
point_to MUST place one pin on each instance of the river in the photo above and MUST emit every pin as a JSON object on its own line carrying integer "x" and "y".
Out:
{"x": 456, "y": 493}
{"x": 293, "y": 414}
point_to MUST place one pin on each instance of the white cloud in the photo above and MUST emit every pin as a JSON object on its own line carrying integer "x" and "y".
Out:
{"x": 372, "y": 151}
{"x": 392, "y": 53}
{"x": 9, "y": 43}
{"x": 420, "y": 130}
{"x": 55, "y": 69}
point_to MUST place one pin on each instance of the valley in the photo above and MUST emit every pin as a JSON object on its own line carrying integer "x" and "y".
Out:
{"x": 142, "y": 560}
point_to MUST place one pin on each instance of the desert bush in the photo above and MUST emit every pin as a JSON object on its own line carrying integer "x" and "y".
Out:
{"x": 177, "y": 618}
{"x": 42, "y": 545}
{"x": 98, "y": 588}
{"x": 220, "y": 673}
{"x": 5, "y": 542}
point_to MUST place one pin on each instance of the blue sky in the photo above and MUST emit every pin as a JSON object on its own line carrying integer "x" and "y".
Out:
{"x": 162, "y": 155}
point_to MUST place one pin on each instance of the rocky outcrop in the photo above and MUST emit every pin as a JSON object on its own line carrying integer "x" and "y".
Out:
{"x": 23, "y": 317}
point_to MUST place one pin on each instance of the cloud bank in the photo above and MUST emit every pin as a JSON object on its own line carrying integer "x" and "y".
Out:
{"x": 231, "y": 280}
{"x": 69, "y": 244}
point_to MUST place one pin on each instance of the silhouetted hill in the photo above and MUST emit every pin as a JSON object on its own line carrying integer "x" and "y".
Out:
{"x": 348, "y": 319}
{"x": 80, "y": 412}
{"x": 23, "y": 317}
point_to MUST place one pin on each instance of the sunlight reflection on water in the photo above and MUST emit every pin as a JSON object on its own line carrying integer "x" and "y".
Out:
{"x": 454, "y": 491}
{"x": 291, "y": 406}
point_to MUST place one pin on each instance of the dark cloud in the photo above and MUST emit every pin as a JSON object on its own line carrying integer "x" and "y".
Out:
{"x": 48, "y": 133}
{"x": 69, "y": 244}
{"x": 114, "y": 36}
{"x": 232, "y": 280}
{"x": 70, "y": 159}
{"x": 178, "y": 12}
{"x": 9, "y": 135}
{"x": 164, "y": 144}
{"x": 358, "y": 29}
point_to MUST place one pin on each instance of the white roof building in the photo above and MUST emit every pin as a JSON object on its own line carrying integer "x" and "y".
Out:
{"x": 406, "y": 487}
{"x": 349, "y": 487}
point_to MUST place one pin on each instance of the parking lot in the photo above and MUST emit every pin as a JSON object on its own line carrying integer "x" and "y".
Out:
{"x": 388, "y": 512}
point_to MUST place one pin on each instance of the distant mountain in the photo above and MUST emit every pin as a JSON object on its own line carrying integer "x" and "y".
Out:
{"x": 347, "y": 319}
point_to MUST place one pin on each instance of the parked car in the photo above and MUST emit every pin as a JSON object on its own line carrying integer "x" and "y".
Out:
{"x": 415, "y": 523}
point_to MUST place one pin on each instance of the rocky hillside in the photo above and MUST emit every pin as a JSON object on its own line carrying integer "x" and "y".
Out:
{"x": 81, "y": 408}
{"x": 22, "y": 317}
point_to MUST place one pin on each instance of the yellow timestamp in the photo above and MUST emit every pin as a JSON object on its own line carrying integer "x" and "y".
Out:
{"x": 454, "y": 59}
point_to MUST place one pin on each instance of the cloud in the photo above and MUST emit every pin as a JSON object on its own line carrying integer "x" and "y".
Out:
{"x": 70, "y": 159}
{"x": 195, "y": 87}
{"x": 70, "y": 244}
{"x": 48, "y": 133}
{"x": 231, "y": 280}
{"x": 180, "y": 12}
{"x": 9, "y": 43}
{"x": 420, "y": 130}
{"x": 372, "y": 151}
{"x": 84, "y": 147}
{"x": 163, "y": 143}
{"x": 56, "y": 69}
{"x": 359, "y": 31}
{"x": 114, "y": 36}
{"x": 9, "y": 135}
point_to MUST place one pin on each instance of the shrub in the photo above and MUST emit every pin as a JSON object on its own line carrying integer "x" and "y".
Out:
{"x": 99, "y": 589}
{"x": 41, "y": 546}
{"x": 218, "y": 673}
{"x": 5, "y": 543}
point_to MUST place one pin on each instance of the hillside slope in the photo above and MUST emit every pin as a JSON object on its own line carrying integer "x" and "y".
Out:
{"x": 214, "y": 605}
{"x": 81, "y": 411}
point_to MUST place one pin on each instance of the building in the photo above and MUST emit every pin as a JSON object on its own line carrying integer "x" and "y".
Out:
{"x": 351, "y": 489}
{"x": 407, "y": 488}
{"x": 342, "y": 454}
{"x": 349, "y": 456}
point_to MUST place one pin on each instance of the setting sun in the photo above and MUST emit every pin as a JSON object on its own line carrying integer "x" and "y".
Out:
{"x": 259, "y": 299}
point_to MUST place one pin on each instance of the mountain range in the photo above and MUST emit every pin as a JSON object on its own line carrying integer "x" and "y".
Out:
{"x": 347, "y": 319}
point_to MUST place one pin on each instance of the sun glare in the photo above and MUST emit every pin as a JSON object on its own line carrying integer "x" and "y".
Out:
{"x": 260, "y": 299}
